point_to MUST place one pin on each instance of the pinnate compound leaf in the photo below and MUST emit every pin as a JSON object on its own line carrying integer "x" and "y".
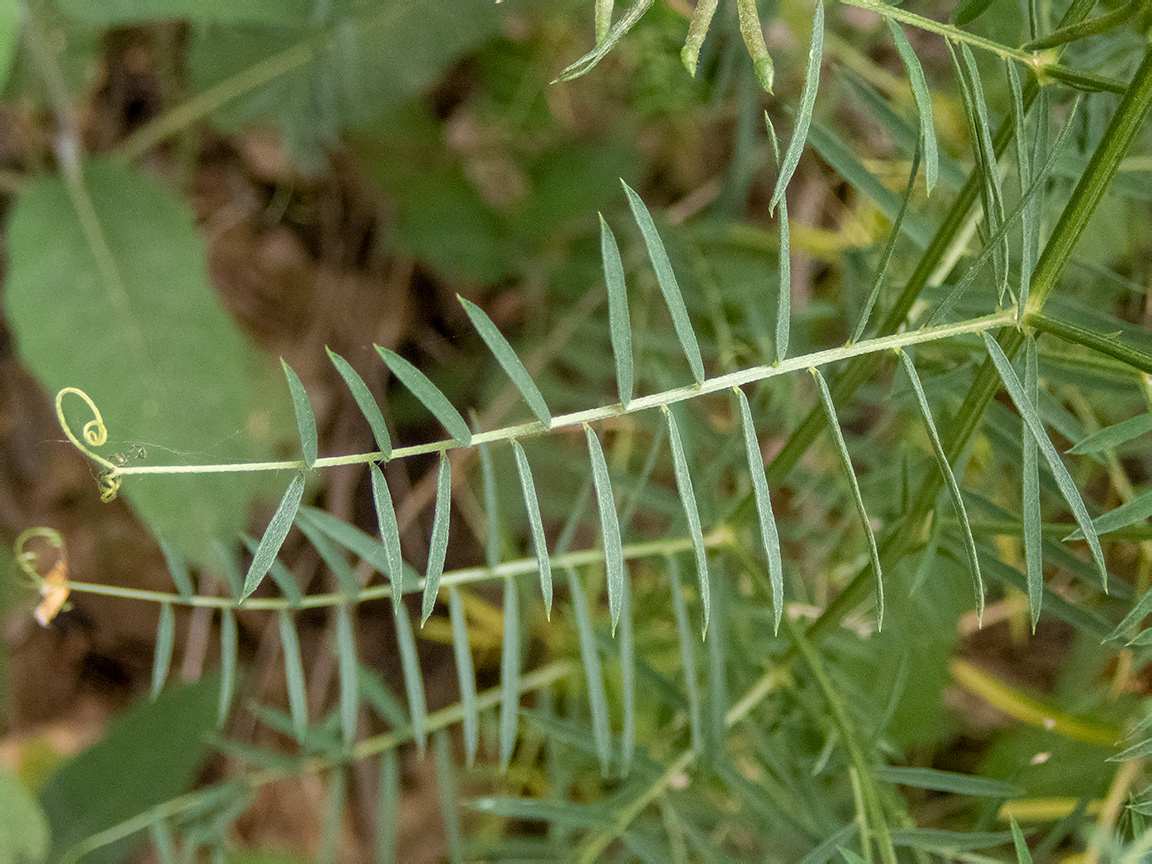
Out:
{"x": 768, "y": 532}
{"x": 609, "y": 525}
{"x": 274, "y": 535}
{"x": 349, "y": 679}
{"x": 162, "y": 656}
{"x": 389, "y": 534}
{"x": 666, "y": 279}
{"x": 294, "y": 675}
{"x": 438, "y": 545}
{"x": 508, "y": 360}
{"x": 119, "y": 305}
{"x": 305, "y": 419}
{"x": 691, "y": 511}
{"x": 539, "y": 542}
{"x": 465, "y": 673}
{"x": 804, "y": 114}
{"x": 413, "y": 677}
{"x": 1063, "y": 479}
{"x": 365, "y": 401}
{"x": 619, "y": 326}
{"x": 592, "y": 673}
{"x": 428, "y": 394}
{"x": 923, "y": 98}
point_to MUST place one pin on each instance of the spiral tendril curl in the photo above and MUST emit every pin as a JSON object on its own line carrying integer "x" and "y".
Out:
{"x": 95, "y": 434}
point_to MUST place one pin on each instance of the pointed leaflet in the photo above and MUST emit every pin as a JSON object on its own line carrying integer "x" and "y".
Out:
{"x": 389, "y": 534}
{"x": 539, "y": 543}
{"x": 846, "y": 463}
{"x": 1110, "y": 436}
{"x": 687, "y": 654}
{"x": 508, "y": 360}
{"x": 365, "y": 401}
{"x": 784, "y": 264}
{"x": 465, "y": 674}
{"x": 666, "y": 279}
{"x": 619, "y": 327}
{"x": 388, "y": 806}
{"x": 438, "y": 545}
{"x": 1029, "y": 223}
{"x": 1036, "y": 425}
{"x": 1030, "y": 489}
{"x": 768, "y": 532}
{"x": 1134, "y": 512}
{"x": 428, "y": 394}
{"x": 949, "y": 480}
{"x": 413, "y": 677}
{"x": 349, "y": 682}
{"x": 177, "y": 567}
{"x": 162, "y": 658}
{"x": 305, "y": 419}
{"x": 274, "y": 535}
{"x": 609, "y": 524}
{"x": 509, "y": 674}
{"x": 804, "y": 115}
{"x": 294, "y": 675}
{"x": 446, "y": 792}
{"x": 923, "y": 98}
{"x": 627, "y": 680}
{"x": 691, "y": 512}
{"x": 597, "y": 700}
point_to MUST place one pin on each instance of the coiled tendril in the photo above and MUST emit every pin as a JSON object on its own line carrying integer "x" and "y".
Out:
{"x": 53, "y": 585}
{"x": 95, "y": 434}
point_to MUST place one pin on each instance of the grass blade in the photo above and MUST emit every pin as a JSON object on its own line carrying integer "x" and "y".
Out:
{"x": 784, "y": 262}
{"x": 466, "y": 675}
{"x": 768, "y": 532}
{"x": 619, "y": 326}
{"x": 1030, "y": 489}
{"x": 508, "y": 360}
{"x": 753, "y": 33}
{"x": 509, "y": 674}
{"x": 162, "y": 657}
{"x": 349, "y": 680}
{"x": 609, "y": 525}
{"x": 597, "y": 699}
{"x": 627, "y": 680}
{"x": 923, "y": 99}
{"x": 669, "y": 287}
{"x": 949, "y": 480}
{"x": 413, "y": 677}
{"x": 274, "y": 535}
{"x": 178, "y": 567}
{"x": 305, "y": 419}
{"x": 846, "y": 463}
{"x": 388, "y": 806}
{"x": 539, "y": 542}
{"x": 697, "y": 30}
{"x": 227, "y": 664}
{"x": 365, "y": 401}
{"x": 687, "y": 654}
{"x": 429, "y": 395}
{"x": 804, "y": 114}
{"x": 389, "y": 534}
{"x": 691, "y": 512}
{"x": 294, "y": 675}
{"x": 603, "y": 46}
{"x": 447, "y": 794}
{"x": 438, "y": 545}
{"x": 1063, "y": 478}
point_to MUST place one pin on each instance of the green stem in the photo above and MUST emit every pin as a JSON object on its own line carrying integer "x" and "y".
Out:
{"x": 1108, "y": 344}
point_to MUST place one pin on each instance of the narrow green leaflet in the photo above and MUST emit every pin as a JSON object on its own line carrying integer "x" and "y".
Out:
{"x": 508, "y": 360}
{"x": 365, "y": 401}
{"x": 438, "y": 545}
{"x": 428, "y": 394}
{"x": 274, "y": 535}
{"x": 597, "y": 699}
{"x": 609, "y": 525}
{"x": 717, "y": 699}
{"x": 1020, "y": 843}
{"x": 603, "y": 46}
{"x": 446, "y": 792}
{"x": 491, "y": 507}
{"x": 687, "y": 654}
{"x": 294, "y": 675}
{"x": 768, "y": 532}
{"x": 330, "y": 553}
{"x": 784, "y": 263}
{"x": 1029, "y": 224}
{"x": 627, "y": 680}
{"x": 846, "y": 463}
{"x": 949, "y": 480}
{"x": 804, "y": 114}
{"x": 947, "y": 781}
{"x": 389, "y": 534}
{"x": 666, "y": 279}
{"x": 465, "y": 673}
{"x": 539, "y": 542}
{"x": 333, "y": 818}
{"x": 509, "y": 674}
{"x": 348, "y": 536}
{"x": 697, "y": 30}
{"x": 349, "y": 680}
{"x": 388, "y": 806}
{"x": 1063, "y": 478}
{"x": 162, "y": 657}
{"x": 305, "y": 419}
{"x": 753, "y": 33}
{"x": 413, "y": 677}
{"x": 619, "y": 326}
{"x": 1114, "y": 435}
{"x": 228, "y": 642}
{"x": 1135, "y": 512}
{"x": 177, "y": 568}
{"x": 691, "y": 512}
{"x": 1030, "y": 491}
{"x": 923, "y": 97}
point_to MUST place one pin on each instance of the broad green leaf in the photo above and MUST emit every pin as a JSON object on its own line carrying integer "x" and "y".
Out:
{"x": 1030, "y": 491}
{"x": 804, "y": 114}
{"x": 305, "y": 419}
{"x": 388, "y": 806}
{"x": 619, "y": 327}
{"x": 923, "y": 97}
{"x": 109, "y": 13}
{"x": 1114, "y": 435}
{"x": 509, "y": 675}
{"x": 850, "y": 473}
{"x": 784, "y": 263}
{"x": 119, "y": 305}
{"x": 228, "y": 644}
{"x": 949, "y": 480}
{"x": 11, "y": 13}
{"x": 597, "y": 699}
{"x": 448, "y": 795}
{"x": 947, "y": 781}
{"x": 1063, "y": 478}
{"x": 508, "y": 360}
{"x": 428, "y": 394}
{"x": 365, "y": 401}
{"x": 294, "y": 675}
{"x": 349, "y": 679}
{"x": 389, "y": 534}
{"x": 666, "y": 279}
{"x": 768, "y": 533}
{"x": 413, "y": 677}
{"x": 753, "y": 33}
{"x": 438, "y": 545}
{"x": 687, "y": 655}
{"x": 162, "y": 656}
{"x": 691, "y": 511}
{"x": 609, "y": 525}
{"x": 177, "y": 568}
{"x": 465, "y": 674}
{"x": 604, "y": 45}
{"x": 697, "y": 30}
{"x": 539, "y": 542}
{"x": 1135, "y": 512}
{"x": 274, "y": 535}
